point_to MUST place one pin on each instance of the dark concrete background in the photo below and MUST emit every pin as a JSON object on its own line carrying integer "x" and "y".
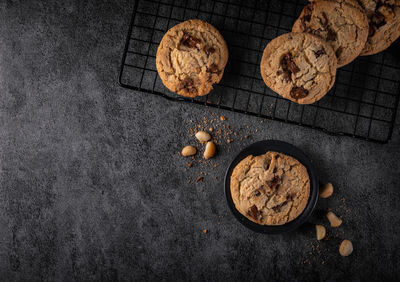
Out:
{"x": 92, "y": 187}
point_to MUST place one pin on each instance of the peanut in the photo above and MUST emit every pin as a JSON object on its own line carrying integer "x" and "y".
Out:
{"x": 333, "y": 219}
{"x": 188, "y": 151}
{"x": 203, "y": 136}
{"x": 326, "y": 191}
{"x": 321, "y": 232}
{"x": 346, "y": 248}
{"x": 210, "y": 150}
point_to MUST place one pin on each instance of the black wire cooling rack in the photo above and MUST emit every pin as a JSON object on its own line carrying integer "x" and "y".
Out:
{"x": 362, "y": 104}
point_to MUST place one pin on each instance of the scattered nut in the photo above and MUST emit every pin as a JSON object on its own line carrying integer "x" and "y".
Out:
{"x": 188, "y": 151}
{"x": 210, "y": 150}
{"x": 346, "y": 248}
{"x": 321, "y": 232}
{"x": 326, "y": 191}
{"x": 203, "y": 136}
{"x": 222, "y": 118}
{"x": 333, "y": 219}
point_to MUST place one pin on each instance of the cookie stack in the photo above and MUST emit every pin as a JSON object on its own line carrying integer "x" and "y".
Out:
{"x": 301, "y": 66}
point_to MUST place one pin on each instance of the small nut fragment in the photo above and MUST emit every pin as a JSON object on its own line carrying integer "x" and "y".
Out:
{"x": 222, "y": 118}
{"x": 203, "y": 136}
{"x": 333, "y": 219}
{"x": 326, "y": 191}
{"x": 346, "y": 248}
{"x": 321, "y": 232}
{"x": 188, "y": 151}
{"x": 210, "y": 150}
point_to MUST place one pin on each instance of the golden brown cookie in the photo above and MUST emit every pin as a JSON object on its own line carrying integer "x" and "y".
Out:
{"x": 353, "y": 3}
{"x": 270, "y": 189}
{"x": 384, "y": 24}
{"x": 340, "y": 23}
{"x": 191, "y": 58}
{"x": 300, "y": 67}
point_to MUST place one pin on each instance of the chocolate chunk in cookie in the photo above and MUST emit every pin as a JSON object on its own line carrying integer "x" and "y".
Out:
{"x": 209, "y": 50}
{"x": 384, "y": 24}
{"x": 298, "y": 92}
{"x": 213, "y": 69}
{"x": 330, "y": 33}
{"x": 319, "y": 52}
{"x": 254, "y": 212}
{"x": 306, "y": 17}
{"x": 278, "y": 208}
{"x": 273, "y": 184}
{"x": 189, "y": 41}
{"x": 288, "y": 67}
{"x": 378, "y": 20}
{"x": 187, "y": 84}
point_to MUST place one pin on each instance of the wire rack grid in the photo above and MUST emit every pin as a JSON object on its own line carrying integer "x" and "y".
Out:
{"x": 362, "y": 104}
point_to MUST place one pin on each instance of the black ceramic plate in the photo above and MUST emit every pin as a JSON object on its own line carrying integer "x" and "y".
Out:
{"x": 260, "y": 148}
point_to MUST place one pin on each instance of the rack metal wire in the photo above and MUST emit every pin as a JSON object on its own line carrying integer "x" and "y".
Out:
{"x": 362, "y": 104}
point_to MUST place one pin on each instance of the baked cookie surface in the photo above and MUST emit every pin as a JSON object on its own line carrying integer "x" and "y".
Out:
{"x": 384, "y": 24}
{"x": 353, "y": 3}
{"x": 191, "y": 58}
{"x": 270, "y": 189}
{"x": 300, "y": 67}
{"x": 342, "y": 24}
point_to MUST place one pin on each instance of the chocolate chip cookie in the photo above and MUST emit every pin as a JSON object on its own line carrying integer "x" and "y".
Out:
{"x": 270, "y": 189}
{"x": 300, "y": 67}
{"x": 384, "y": 24}
{"x": 191, "y": 58}
{"x": 341, "y": 24}
{"x": 353, "y": 3}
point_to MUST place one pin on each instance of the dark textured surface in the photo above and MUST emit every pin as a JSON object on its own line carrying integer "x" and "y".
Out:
{"x": 92, "y": 187}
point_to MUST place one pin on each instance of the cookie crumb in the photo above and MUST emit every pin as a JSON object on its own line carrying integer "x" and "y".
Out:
{"x": 200, "y": 178}
{"x": 222, "y": 118}
{"x": 229, "y": 140}
{"x": 189, "y": 164}
{"x": 205, "y": 231}
{"x": 247, "y": 136}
